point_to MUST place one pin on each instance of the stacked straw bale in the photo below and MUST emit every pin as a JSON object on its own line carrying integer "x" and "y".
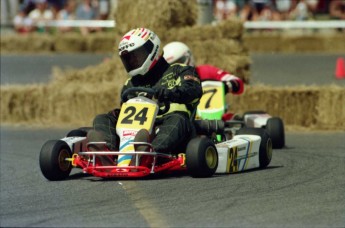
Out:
{"x": 295, "y": 43}
{"x": 158, "y": 16}
{"x": 33, "y": 43}
{"x": 309, "y": 107}
{"x": 315, "y": 108}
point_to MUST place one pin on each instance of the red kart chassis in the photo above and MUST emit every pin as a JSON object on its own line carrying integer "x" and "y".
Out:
{"x": 103, "y": 163}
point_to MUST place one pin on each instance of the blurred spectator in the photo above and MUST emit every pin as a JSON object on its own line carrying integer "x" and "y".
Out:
{"x": 312, "y": 6}
{"x": 248, "y": 11}
{"x": 87, "y": 11}
{"x": 104, "y": 9}
{"x": 67, "y": 13}
{"x": 28, "y": 5}
{"x": 225, "y": 9}
{"x": 264, "y": 9}
{"x": 40, "y": 15}
{"x": 56, "y": 6}
{"x": 303, "y": 10}
{"x": 337, "y": 9}
{"x": 283, "y": 8}
{"x": 22, "y": 23}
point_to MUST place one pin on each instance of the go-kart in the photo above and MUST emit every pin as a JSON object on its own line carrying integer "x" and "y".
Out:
{"x": 203, "y": 156}
{"x": 213, "y": 107}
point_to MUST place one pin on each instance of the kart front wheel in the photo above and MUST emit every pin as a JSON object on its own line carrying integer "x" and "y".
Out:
{"x": 201, "y": 157}
{"x": 53, "y": 160}
{"x": 265, "y": 149}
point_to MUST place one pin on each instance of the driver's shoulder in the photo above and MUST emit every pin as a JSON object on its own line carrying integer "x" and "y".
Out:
{"x": 180, "y": 69}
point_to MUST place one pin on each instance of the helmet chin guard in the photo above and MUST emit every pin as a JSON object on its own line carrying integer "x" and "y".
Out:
{"x": 139, "y": 51}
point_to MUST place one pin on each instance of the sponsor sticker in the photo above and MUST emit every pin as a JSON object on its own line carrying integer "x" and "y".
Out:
{"x": 191, "y": 77}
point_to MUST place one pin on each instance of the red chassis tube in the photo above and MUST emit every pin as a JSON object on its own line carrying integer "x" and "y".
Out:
{"x": 112, "y": 171}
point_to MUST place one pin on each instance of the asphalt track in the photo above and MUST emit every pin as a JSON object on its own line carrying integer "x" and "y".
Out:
{"x": 302, "y": 187}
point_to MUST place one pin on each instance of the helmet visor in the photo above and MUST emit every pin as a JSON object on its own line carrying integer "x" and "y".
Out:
{"x": 182, "y": 60}
{"x": 135, "y": 59}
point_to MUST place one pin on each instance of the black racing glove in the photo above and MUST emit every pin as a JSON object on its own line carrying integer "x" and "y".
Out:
{"x": 163, "y": 94}
{"x": 231, "y": 86}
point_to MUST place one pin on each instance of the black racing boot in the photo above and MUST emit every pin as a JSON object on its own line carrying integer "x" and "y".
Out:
{"x": 143, "y": 135}
{"x": 94, "y": 136}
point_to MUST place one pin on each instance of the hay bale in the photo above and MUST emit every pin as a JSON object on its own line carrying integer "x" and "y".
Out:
{"x": 302, "y": 43}
{"x": 232, "y": 29}
{"x": 311, "y": 107}
{"x": 331, "y": 108}
{"x": 111, "y": 71}
{"x": 334, "y": 43}
{"x": 32, "y": 43}
{"x": 83, "y": 104}
{"x": 22, "y": 103}
{"x": 101, "y": 43}
{"x": 228, "y": 29}
{"x": 259, "y": 42}
{"x": 155, "y": 15}
{"x": 70, "y": 42}
{"x": 294, "y": 43}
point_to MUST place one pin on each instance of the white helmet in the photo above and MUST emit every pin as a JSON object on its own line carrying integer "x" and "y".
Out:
{"x": 139, "y": 51}
{"x": 178, "y": 52}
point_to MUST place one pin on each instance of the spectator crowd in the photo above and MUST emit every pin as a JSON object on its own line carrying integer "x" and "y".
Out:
{"x": 34, "y": 14}
{"x": 278, "y": 10}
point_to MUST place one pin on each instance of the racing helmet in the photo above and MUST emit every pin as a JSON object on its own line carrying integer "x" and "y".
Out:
{"x": 139, "y": 51}
{"x": 178, "y": 52}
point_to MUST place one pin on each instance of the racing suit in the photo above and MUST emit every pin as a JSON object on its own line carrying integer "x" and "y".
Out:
{"x": 208, "y": 72}
{"x": 174, "y": 127}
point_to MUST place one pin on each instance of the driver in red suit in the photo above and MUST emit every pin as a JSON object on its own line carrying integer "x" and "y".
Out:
{"x": 178, "y": 52}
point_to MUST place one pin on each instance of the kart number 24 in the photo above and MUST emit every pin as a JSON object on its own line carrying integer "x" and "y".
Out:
{"x": 133, "y": 115}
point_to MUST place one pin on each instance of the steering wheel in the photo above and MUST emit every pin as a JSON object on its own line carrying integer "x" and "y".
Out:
{"x": 146, "y": 92}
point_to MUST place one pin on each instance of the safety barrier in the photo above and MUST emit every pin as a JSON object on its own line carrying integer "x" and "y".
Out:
{"x": 294, "y": 24}
{"x": 247, "y": 25}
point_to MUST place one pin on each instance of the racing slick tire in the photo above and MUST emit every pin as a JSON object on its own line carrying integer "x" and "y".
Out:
{"x": 275, "y": 128}
{"x": 53, "y": 163}
{"x": 265, "y": 149}
{"x": 201, "y": 157}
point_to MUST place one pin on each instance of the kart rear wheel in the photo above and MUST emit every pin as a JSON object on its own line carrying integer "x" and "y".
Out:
{"x": 53, "y": 163}
{"x": 201, "y": 157}
{"x": 275, "y": 129}
{"x": 265, "y": 149}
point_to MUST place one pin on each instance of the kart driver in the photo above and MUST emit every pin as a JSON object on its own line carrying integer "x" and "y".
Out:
{"x": 178, "y": 52}
{"x": 141, "y": 54}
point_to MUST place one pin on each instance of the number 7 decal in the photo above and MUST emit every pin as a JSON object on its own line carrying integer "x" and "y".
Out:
{"x": 208, "y": 102}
